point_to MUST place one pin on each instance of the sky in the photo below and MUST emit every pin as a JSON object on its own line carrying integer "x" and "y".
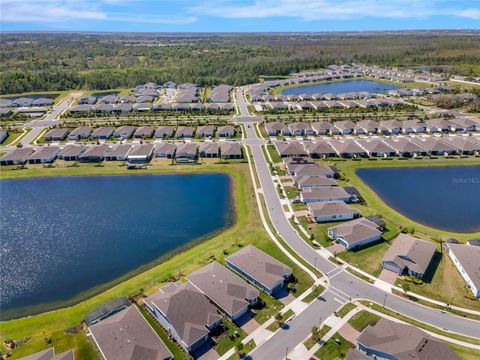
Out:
{"x": 237, "y": 15}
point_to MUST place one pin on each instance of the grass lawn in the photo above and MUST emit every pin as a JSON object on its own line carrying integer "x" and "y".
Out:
{"x": 362, "y": 319}
{"x": 176, "y": 350}
{"x": 445, "y": 284}
{"x": 13, "y": 136}
{"x": 272, "y": 306}
{"x": 319, "y": 231}
{"x": 276, "y": 324}
{"x": 249, "y": 346}
{"x": 274, "y": 154}
{"x": 310, "y": 342}
{"x": 345, "y": 310}
{"x": 292, "y": 192}
{"x": 299, "y": 206}
{"x": 314, "y": 294}
{"x": 368, "y": 259}
{"x": 229, "y": 339}
{"x": 248, "y": 229}
{"x": 331, "y": 349}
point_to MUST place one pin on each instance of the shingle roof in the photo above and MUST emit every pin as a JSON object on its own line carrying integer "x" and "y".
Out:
{"x": 329, "y": 208}
{"x": 469, "y": 258}
{"x": 404, "y": 342}
{"x": 47, "y": 354}
{"x": 225, "y": 289}
{"x": 187, "y": 309}
{"x": 356, "y": 230}
{"x": 128, "y": 336}
{"x": 411, "y": 252}
{"x": 259, "y": 265}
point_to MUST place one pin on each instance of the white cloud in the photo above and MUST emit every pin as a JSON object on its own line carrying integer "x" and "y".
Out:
{"x": 66, "y": 11}
{"x": 334, "y": 9}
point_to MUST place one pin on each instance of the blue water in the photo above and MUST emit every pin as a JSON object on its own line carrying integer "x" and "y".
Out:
{"x": 340, "y": 87}
{"x": 446, "y": 198}
{"x": 61, "y": 236}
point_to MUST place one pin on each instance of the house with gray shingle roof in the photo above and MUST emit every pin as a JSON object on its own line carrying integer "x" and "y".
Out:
{"x": 184, "y": 132}
{"x": 320, "y": 149}
{"x": 49, "y": 354}
{"x": 467, "y": 260}
{"x": 71, "y": 152}
{"x": 231, "y": 294}
{"x": 45, "y": 154}
{"x": 290, "y": 149}
{"x": 208, "y": 150}
{"x": 186, "y": 152}
{"x": 409, "y": 255}
{"x": 80, "y": 133}
{"x": 205, "y": 131}
{"x": 57, "y": 134}
{"x": 118, "y": 152}
{"x": 17, "y": 156}
{"x": 163, "y": 132}
{"x": 259, "y": 268}
{"x": 226, "y": 131}
{"x": 185, "y": 313}
{"x": 231, "y": 150}
{"x": 127, "y": 335}
{"x": 102, "y": 133}
{"x": 404, "y": 147}
{"x": 166, "y": 150}
{"x": 324, "y": 211}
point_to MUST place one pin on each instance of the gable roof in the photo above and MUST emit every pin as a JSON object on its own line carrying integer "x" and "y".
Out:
{"x": 404, "y": 342}
{"x": 187, "y": 309}
{"x": 260, "y": 266}
{"x": 469, "y": 258}
{"x": 328, "y": 208}
{"x": 356, "y": 230}
{"x": 225, "y": 289}
{"x": 411, "y": 252}
{"x": 128, "y": 336}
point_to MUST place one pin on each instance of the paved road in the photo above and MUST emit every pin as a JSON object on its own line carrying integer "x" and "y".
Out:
{"x": 49, "y": 120}
{"x": 342, "y": 283}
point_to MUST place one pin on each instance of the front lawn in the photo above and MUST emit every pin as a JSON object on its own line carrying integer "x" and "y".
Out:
{"x": 332, "y": 349}
{"x": 368, "y": 259}
{"x": 362, "y": 319}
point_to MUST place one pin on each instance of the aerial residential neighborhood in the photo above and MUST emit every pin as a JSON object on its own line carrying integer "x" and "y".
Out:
{"x": 239, "y": 180}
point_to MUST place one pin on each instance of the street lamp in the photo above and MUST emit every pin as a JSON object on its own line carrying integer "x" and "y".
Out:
{"x": 315, "y": 263}
{"x": 286, "y": 353}
{"x": 384, "y": 300}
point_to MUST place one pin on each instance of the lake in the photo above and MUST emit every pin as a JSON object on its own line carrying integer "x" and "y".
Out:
{"x": 446, "y": 198}
{"x": 61, "y": 236}
{"x": 340, "y": 87}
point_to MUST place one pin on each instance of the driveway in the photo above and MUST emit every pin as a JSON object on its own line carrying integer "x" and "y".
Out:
{"x": 349, "y": 333}
{"x": 388, "y": 276}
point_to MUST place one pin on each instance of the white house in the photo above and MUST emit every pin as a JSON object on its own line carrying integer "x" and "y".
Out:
{"x": 467, "y": 260}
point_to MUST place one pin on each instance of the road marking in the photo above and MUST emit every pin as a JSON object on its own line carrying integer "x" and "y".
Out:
{"x": 339, "y": 301}
{"x": 331, "y": 277}
{"x": 344, "y": 295}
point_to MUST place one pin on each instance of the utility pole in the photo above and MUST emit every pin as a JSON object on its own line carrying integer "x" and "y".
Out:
{"x": 315, "y": 263}
{"x": 384, "y": 300}
{"x": 286, "y": 353}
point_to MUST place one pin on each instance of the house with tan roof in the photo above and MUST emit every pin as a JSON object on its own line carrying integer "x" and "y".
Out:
{"x": 259, "y": 268}
{"x": 467, "y": 260}
{"x": 290, "y": 149}
{"x": 409, "y": 255}
{"x": 355, "y": 233}
{"x": 185, "y": 312}
{"x": 325, "y": 211}
{"x": 325, "y": 193}
{"x": 49, "y": 354}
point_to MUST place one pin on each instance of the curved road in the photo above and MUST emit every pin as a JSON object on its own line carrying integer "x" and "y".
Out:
{"x": 343, "y": 285}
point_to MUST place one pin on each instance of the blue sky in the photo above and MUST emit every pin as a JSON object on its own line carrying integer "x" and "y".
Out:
{"x": 237, "y": 15}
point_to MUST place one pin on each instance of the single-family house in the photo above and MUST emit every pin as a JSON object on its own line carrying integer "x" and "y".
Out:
{"x": 226, "y": 131}
{"x": 94, "y": 153}
{"x": 434, "y": 145}
{"x": 414, "y": 127}
{"x": 231, "y": 294}
{"x": 313, "y": 170}
{"x": 18, "y": 156}
{"x": 163, "y": 132}
{"x": 124, "y": 132}
{"x": 206, "y": 131}
{"x": 467, "y": 260}
{"x": 259, "y": 269}
{"x": 44, "y": 101}
{"x": 127, "y": 335}
{"x": 390, "y": 127}
{"x": 23, "y": 102}
{"x": 347, "y": 148}
{"x": 345, "y": 127}
{"x": 376, "y": 147}
{"x": 143, "y": 132}
{"x": 208, "y": 150}
{"x": 464, "y": 144}
{"x": 186, "y": 152}
{"x": 141, "y": 153}
{"x": 118, "y": 152}
{"x": 438, "y": 126}
{"x": 325, "y": 211}
{"x": 313, "y": 182}
{"x": 300, "y": 128}
{"x": 464, "y": 124}
{"x": 56, "y": 134}
{"x": 3, "y": 135}
{"x": 166, "y": 150}
{"x": 81, "y": 109}
{"x": 79, "y": 133}
{"x": 87, "y": 100}
{"x": 325, "y": 193}
{"x": 366, "y": 127}
{"x": 102, "y": 133}
{"x": 103, "y": 108}
{"x": 324, "y": 128}
{"x": 355, "y": 233}
{"x": 71, "y": 152}
{"x": 320, "y": 149}
{"x": 184, "y": 132}
{"x": 405, "y": 147}
{"x": 185, "y": 312}
{"x": 276, "y": 128}
{"x": 394, "y": 340}
{"x": 44, "y": 155}
{"x": 290, "y": 149}
{"x": 409, "y": 255}
{"x": 231, "y": 150}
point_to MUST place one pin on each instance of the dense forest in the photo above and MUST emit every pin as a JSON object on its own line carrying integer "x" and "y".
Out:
{"x": 62, "y": 61}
